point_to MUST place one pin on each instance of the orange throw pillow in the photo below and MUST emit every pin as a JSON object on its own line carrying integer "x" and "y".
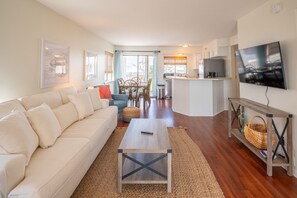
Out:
{"x": 104, "y": 92}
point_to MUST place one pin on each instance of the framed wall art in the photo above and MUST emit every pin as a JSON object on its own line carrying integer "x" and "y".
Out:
{"x": 90, "y": 65}
{"x": 54, "y": 64}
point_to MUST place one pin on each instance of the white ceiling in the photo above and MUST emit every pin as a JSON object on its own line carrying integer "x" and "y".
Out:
{"x": 156, "y": 22}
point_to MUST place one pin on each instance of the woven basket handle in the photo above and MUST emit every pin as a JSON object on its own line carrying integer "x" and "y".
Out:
{"x": 252, "y": 119}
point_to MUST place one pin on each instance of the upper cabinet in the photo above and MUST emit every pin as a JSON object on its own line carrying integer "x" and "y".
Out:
{"x": 218, "y": 52}
{"x": 216, "y": 48}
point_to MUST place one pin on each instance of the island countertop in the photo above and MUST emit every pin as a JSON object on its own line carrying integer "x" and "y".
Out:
{"x": 198, "y": 96}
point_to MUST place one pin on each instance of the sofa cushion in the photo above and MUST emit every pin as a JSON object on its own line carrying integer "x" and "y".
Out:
{"x": 105, "y": 103}
{"x": 95, "y": 98}
{"x": 45, "y": 124}
{"x": 92, "y": 129}
{"x": 65, "y": 92}
{"x": 17, "y": 136}
{"x": 66, "y": 115}
{"x": 12, "y": 172}
{"x": 52, "y": 99}
{"x": 83, "y": 104}
{"x": 51, "y": 168}
{"x": 108, "y": 114}
{"x": 7, "y": 107}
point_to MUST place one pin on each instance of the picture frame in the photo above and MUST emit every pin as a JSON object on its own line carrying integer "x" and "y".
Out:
{"x": 54, "y": 64}
{"x": 90, "y": 65}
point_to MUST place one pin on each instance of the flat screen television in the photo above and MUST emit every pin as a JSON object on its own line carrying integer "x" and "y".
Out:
{"x": 261, "y": 65}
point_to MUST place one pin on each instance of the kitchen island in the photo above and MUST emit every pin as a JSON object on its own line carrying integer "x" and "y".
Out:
{"x": 198, "y": 96}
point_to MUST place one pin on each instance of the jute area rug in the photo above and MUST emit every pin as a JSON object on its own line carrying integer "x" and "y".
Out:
{"x": 192, "y": 176}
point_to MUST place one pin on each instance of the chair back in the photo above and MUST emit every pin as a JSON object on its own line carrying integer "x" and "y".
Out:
{"x": 149, "y": 83}
{"x": 131, "y": 82}
{"x": 131, "y": 87}
{"x": 147, "y": 90}
{"x": 121, "y": 83}
{"x": 136, "y": 79}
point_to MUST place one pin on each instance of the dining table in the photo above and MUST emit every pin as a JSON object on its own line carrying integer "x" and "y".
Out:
{"x": 138, "y": 89}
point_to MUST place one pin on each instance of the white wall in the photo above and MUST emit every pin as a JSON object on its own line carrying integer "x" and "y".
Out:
{"x": 262, "y": 26}
{"x": 190, "y": 52}
{"x": 23, "y": 25}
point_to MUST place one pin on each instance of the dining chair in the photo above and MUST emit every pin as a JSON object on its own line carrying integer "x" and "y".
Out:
{"x": 146, "y": 93}
{"x": 131, "y": 87}
{"x": 121, "y": 83}
{"x": 137, "y": 79}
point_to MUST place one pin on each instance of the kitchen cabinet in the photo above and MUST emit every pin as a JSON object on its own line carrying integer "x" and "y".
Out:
{"x": 216, "y": 48}
{"x": 198, "y": 96}
{"x": 218, "y": 52}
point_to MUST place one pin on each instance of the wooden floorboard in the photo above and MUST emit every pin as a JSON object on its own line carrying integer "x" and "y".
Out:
{"x": 239, "y": 172}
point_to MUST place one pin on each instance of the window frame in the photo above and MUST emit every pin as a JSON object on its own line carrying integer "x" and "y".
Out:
{"x": 137, "y": 65}
{"x": 175, "y": 61}
{"x": 109, "y": 67}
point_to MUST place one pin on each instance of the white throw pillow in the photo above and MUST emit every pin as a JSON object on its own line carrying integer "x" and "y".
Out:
{"x": 45, "y": 124}
{"x": 105, "y": 103}
{"x": 7, "y": 107}
{"x": 95, "y": 98}
{"x": 17, "y": 136}
{"x": 66, "y": 115}
{"x": 83, "y": 104}
{"x": 65, "y": 92}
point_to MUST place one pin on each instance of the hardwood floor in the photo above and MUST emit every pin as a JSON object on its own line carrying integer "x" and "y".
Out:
{"x": 239, "y": 172}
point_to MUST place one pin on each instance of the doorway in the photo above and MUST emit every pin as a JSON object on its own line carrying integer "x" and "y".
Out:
{"x": 139, "y": 66}
{"x": 235, "y": 77}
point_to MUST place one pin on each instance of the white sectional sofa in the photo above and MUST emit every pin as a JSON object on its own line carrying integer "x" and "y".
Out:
{"x": 57, "y": 170}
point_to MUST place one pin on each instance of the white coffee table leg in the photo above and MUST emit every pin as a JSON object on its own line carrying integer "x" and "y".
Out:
{"x": 169, "y": 172}
{"x": 120, "y": 167}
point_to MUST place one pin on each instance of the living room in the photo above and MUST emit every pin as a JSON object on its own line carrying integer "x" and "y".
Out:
{"x": 28, "y": 26}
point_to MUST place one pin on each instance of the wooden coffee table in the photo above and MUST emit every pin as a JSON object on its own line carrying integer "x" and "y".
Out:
{"x": 145, "y": 158}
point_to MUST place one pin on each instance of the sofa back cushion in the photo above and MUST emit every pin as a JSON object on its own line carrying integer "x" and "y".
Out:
{"x": 66, "y": 115}
{"x": 83, "y": 104}
{"x": 7, "y": 107}
{"x": 17, "y": 136}
{"x": 45, "y": 124}
{"x": 95, "y": 98}
{"x": 52, "y": 99}
{"x": 67, "y": 91}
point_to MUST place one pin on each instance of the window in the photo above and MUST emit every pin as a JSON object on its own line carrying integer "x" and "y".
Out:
{"x": 108, "y": 67}
{"x": 141, "y": 67}
{"x": 175, "y": 65}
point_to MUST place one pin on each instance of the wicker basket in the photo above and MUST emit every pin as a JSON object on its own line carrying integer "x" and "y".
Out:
{"x": 130, "y": 112}
{"x": 256, "y": 133}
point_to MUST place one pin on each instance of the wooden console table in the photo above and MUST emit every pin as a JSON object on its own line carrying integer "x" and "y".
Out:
{"x": 237, "y": 106}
